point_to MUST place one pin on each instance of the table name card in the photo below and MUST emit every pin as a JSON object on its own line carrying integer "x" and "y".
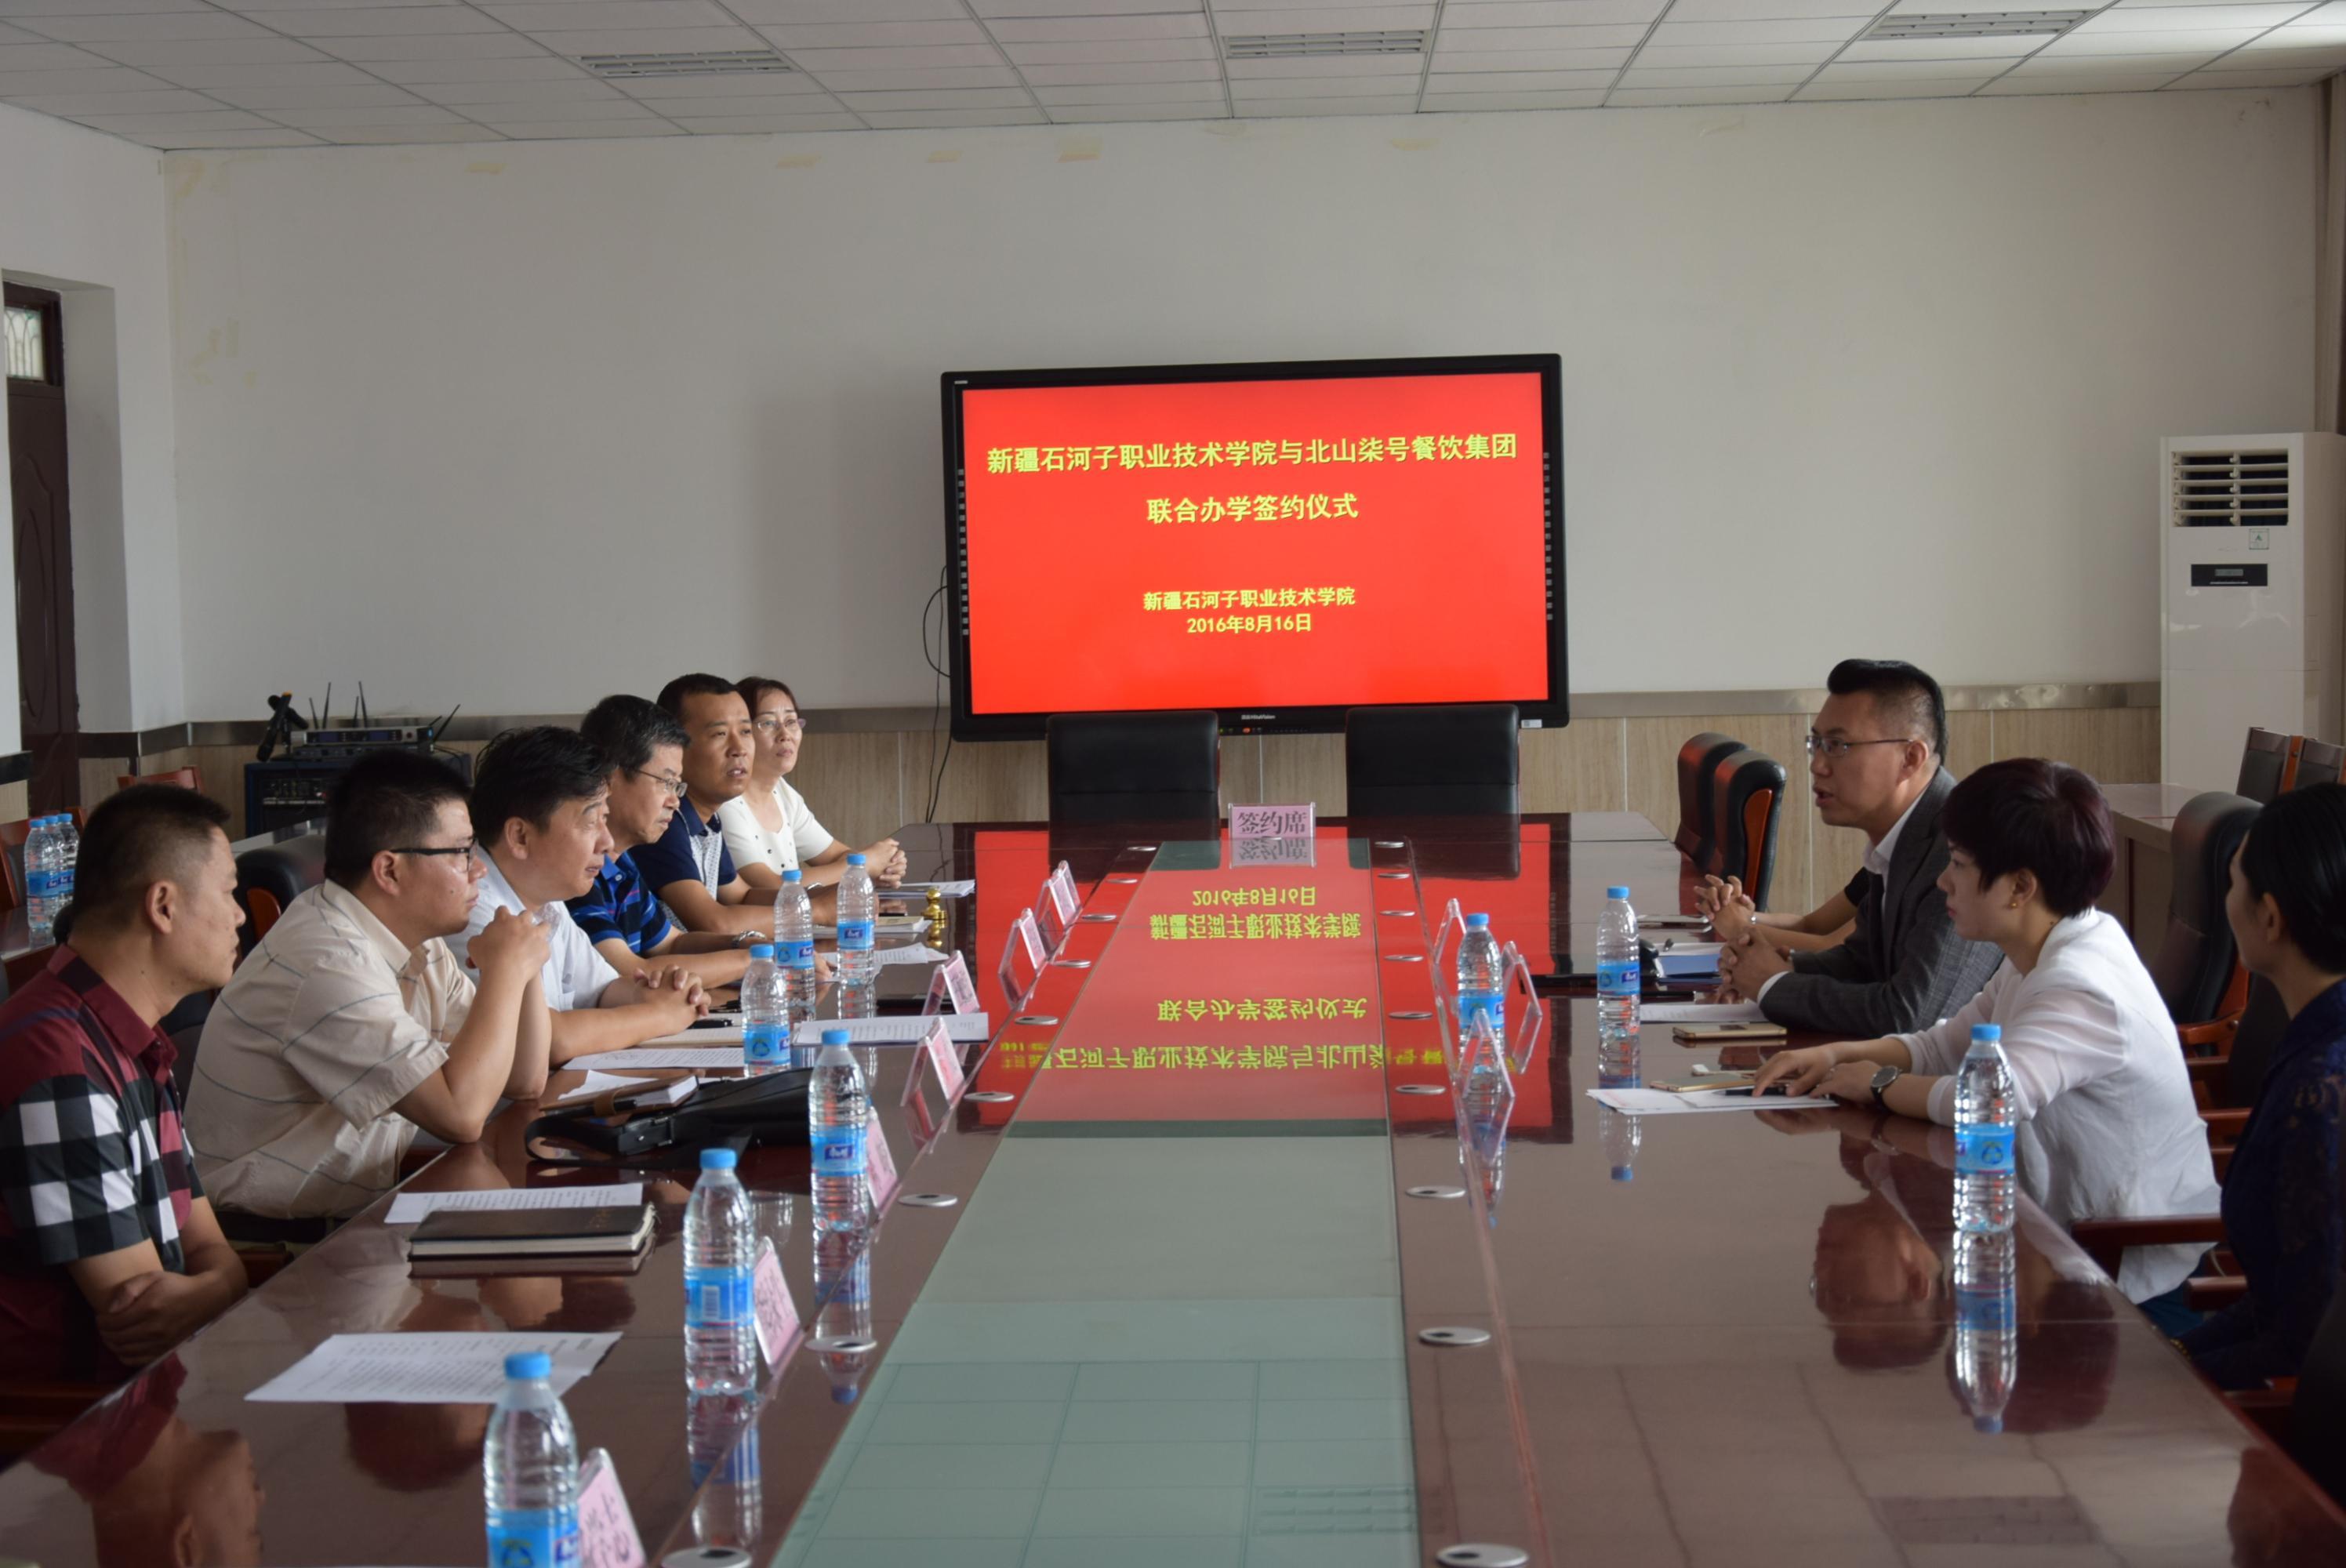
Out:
{"x": 951, "y": 983}
{"x": 607, "y": 1527}
{"x": 778, "y": 1315}
{"x": 1272, "y": 822}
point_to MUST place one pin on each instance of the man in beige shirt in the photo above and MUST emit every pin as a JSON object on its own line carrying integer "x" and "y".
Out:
{"x": 352, "y": 1025}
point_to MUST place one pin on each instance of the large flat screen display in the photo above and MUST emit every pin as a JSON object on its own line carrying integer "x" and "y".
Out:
{"x": 1276, "y": 541}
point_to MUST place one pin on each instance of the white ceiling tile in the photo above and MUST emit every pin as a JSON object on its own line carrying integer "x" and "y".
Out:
{"x": 1974, "y": 71}
{"x": 767, "y": 125}
{"x": 1745, "y": 11}
{"x": 2283, "y": 59}
{"x": 380, "y": 21}
{"x": 583, "y": 130}
{"x": 1735, "y": 54}
{"x": 2047, "y": 82}
{"x": 404, "y": 136}
{"x": 202, "y": 141}
{"x": 204, "y": 119}
{"x": 1850, "y": 92}
{"x": 1328, "y": 66}
{"x": 2154, "y": 4}
{"x": 163, "y": 24}
{"x": 580, "y": 89}
{"x": 578, "y": 16}
{"x": 104, "y": 79}
{"x": 941, "y": 98}
{"x": 1529, "y": 60}
{"x": 52, "y": 57}
{"x": 920, "y": 119}
{"x": 500, "y": 45}
{"x": 1512, "y": 81}
{"x": 2331, "y": 16}
{"x": 530, "y": 68}
{"x": 2109, "y": 64}
{"x": 264, "y": 7}
{"x": 925, "y": 57}
{"x": 1136, "y": 49}
{"x": 72, "y": 106}
{"x": 1125, "y": 71}
{"x": 877, "y": 35}
{"x": 1295, "y": 108}
{"x": 2197, "y": 41}
{"x": 1090, "y": 29}
{"x": 1488, "y": 40}
{"x": 2200, "y": 81}
{"x": 2138, "y": 18}
{"x": 270, "y": 100}
{"x": 1798, "y": 30}
{"x": 1719, "y": 76}
{"x": 1235, "y": 23}
{"x": 2300, "y": 37}
{"x": 1072, "y": 7}
{"x": 767, "y": 106}
{"x": 123, "y": 7}
{"x": 649, "y": 41}
{"x": 615, "y": 110}
{"x": 765, "y": 85}
{"x": 1325, "y": 87}
{"x": 949, "y": 76}
{"x": 1692, "y": 97}
{"x": 1550, "y": 14}
{"x": 299, "y": 73}
{"x": 1097, "y": 114}
{"x": 1134, "y": 93}
{"x": 378, "y": 115}
{"x": 1502, "y": 103}
{"x": 759, "y": 13}
{"x": 1943, "y": 48}
{"x": 265, "y": 50}
{"x": 18, "y": 36}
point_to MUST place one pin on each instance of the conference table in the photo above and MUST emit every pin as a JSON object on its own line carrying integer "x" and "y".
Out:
{"x": 1215, "y": 1263}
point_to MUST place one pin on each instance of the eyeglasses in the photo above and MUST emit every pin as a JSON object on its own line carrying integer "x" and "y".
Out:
{"x": 771, "y": 723}
{"x": 670, "y": 785}
{"x": 1834, "y": 747}
{"x": 470, "y": 849}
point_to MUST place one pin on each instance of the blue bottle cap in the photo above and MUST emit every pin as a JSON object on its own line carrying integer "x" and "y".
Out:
{"x": 762, "y": 950}
{"x": 836, "y": 1037}
{"x": 1989, "y": 1424}
{"x": 792, "y": 875}
{"x": 1477, "y": 922}
{"x": 1987, "y": 1034}
{"x": 1616, "y": 892}
{"x": 1624, "y": 1173}
{"x": 845, "y": 1396}
{"x": 854, "y": 859}
{"x": 527, "y": 1364}
{"x": 718, "y": 1160}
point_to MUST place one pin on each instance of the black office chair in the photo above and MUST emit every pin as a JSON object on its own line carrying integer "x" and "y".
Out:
{"x": 2194, "y": 964}
{"x": 1747, "y": 793}
{"x": 1135, "y": 766}
{"x": 1431, "y": 761}
{"x": 269, "y": 880}
{"x": 2264, "y": 761}
{"x": 2318, "y": 762}
{"x": 1697, "y": 757}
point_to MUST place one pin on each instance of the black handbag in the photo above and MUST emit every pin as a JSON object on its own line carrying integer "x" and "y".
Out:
{"x": 733, "y": 1113}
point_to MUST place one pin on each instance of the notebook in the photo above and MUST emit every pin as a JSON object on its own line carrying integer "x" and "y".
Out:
{"x": 533, "y": 1232}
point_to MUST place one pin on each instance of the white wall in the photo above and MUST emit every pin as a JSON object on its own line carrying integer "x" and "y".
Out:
{"x": 84, "y": 213}
{"x": 524, "y": 423}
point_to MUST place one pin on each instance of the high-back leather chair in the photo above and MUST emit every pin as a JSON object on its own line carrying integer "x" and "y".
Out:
{"x": 2318, "y": 762}
{"x": 269, "y": 880}
{"x": 187, "y": 777}
{"x": 1747, "y": 791}
{"x": 1431, "y": 761}
{"x": 2194, "y": 962}
{"x": 1135, "y": 766}
{"x": 1697, "y": 757}
{"x": 2263, "y": 761}
{"x": 2317, "y": 1416}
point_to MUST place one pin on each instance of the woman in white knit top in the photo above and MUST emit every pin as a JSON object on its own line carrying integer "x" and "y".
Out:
{"x": 768, "y": 828}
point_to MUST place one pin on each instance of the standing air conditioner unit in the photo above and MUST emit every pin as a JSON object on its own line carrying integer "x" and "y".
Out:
{"x": 2249, "y": 598}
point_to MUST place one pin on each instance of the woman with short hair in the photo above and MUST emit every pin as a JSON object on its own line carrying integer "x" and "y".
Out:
{"x": 2108, "y": 1126}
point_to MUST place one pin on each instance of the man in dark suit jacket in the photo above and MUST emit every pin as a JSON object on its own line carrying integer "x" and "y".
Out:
{"x": 1874, "y": 763}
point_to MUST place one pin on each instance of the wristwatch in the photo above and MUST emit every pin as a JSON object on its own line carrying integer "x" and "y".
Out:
{"x": 751, "y": 938}
{"x": 1883, "y": 1076}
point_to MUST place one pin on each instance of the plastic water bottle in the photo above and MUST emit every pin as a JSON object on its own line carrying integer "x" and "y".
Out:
{"x": 1620, "y": 1134}
{"x": 1481, "y": 978}
{"x": 720, "y": 1250}
{"x": 1986, "y": 1115}
{"x": 859, "y": 968}
{"x": 1618, "y": 980}
{"x": 842, "y": 1323}
{"x": 41, "y": 891}
{"x": 1987, "y": 1341}
{"x": 529, "y": 1470}
{"x": 794, "y": 946}
{"x": 765, "y": 1015}
{"x": 68, "y": 854}
{"x": 722, "y": 1440}
{"x": 839, "y": 1112}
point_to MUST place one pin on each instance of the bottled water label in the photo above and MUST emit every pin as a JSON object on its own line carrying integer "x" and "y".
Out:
{"x": 800, "y": 954}
{"x": 1988, "y": 1311}
{"x": 717, "y": 1298}
{"x": 765, "y": 1044}
{"x": 1616, "y": 977}
{"x": 855, "y": 934}
{"x": 534, "y": 1538}
{"x": 837, "y": 1152}
{"x": 1983, "y": 1149}
{"x": 1490, "y": 1004}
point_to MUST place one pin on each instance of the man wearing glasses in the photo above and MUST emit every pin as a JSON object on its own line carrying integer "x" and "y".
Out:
{"x": 1875, "y": 764}
{"x": 351, "y": 1024}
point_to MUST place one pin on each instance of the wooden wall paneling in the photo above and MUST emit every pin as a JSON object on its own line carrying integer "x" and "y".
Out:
{"x": 97, "y": 778}
{"x": 989, "y": 781}
{"x": 222, "y": 768}
{"x": 854, "y": 781}
{"x": 1300, "y": 767}
{"x": 15, "y": 801}
{"x": 1971, "y": 740}
{"x": 1241, "y": 770}
{"x": 1575, "y": 769}
{"x": 2115, "y": 745}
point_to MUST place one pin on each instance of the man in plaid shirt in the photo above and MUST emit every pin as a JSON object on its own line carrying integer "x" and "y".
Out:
{"x": 109, "y": 1254}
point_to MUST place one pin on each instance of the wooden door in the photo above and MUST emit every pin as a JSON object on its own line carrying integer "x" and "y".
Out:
{"x": 49, "y": 700}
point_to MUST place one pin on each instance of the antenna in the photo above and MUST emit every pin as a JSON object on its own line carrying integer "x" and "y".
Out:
{"x": 440, "y": 725}
{"x": 360, "y": 717}
{"x": 330, "y": 702}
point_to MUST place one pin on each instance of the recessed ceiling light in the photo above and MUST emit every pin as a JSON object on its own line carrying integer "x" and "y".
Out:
{"x": 1976, "y": 25}
{"x": 697, "y": 63}
{"x": 1292, "y": 45}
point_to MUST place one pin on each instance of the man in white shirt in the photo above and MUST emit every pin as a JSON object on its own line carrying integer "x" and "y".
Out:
{"x": 1875, "y": 755}
{"x": 539, "y": 805}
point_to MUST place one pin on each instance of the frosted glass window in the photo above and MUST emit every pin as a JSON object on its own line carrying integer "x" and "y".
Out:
{"x": 28, "y": 358}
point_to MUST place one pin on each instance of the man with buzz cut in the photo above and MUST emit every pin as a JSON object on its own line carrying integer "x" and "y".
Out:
{"x": 688, "y": 868}
{"x": 1876, "y": 754}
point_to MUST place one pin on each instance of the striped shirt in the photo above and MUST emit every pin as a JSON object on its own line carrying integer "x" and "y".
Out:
{"x": 619, "y": 905}
{"x": 324, "y": 1029}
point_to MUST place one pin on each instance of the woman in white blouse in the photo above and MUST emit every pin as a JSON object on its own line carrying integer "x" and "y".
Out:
{"x": 767, "y": 827}
{"x": 2108, "y": 1129}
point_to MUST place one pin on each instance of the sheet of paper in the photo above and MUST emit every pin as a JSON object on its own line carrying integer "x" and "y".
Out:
{"x": 672, "y": 1056}
{"x": 599, "y": 1084}
{"x": 905, "y": 1030}
{"x": 1661, "y": 1103}
{"x": 729, "y": 1032}
{"x": 410, "y": 1207}
{"x": 1701, "y": 1012}
{"x": 910, "y": 953}
{"x": 961, "y": 890}
{"x": 424, "y": 1368}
